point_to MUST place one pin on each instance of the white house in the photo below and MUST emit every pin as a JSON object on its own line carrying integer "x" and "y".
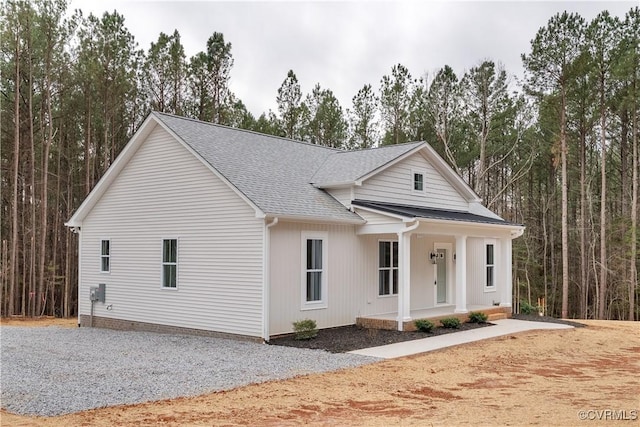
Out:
{"x": 211, "y": 229}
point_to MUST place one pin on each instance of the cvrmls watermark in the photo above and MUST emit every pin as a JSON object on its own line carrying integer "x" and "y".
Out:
{"x": 608, "y": 414}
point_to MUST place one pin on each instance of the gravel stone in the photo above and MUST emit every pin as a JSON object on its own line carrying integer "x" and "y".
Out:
{"x": 52, "y": 371}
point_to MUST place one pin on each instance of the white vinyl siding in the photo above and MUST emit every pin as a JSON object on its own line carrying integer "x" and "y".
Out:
{"x": 165, "y": 191}
{"x": 395, "y": 185}
{"x": 105, "y": 256}
{"x": 343, "y": 195}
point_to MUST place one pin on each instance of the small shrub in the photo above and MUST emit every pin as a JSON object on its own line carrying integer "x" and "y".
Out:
{"x": 305, "y": 329}
{"x": 450, "y": 322}
{"x": 424, "y": 325}
{"x": 526, "y": 308}
{"x": 477, "y": 317}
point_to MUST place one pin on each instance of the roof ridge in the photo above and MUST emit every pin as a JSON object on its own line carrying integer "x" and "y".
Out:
{"x": 382, "y": 147}
{"x": 335, "y": 150}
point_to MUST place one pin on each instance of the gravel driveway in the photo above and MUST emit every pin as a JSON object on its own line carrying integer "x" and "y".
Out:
{"x": 53, "y": 371}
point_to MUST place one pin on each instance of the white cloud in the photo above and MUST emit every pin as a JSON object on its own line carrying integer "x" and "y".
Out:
{"x": 344, "y": 45}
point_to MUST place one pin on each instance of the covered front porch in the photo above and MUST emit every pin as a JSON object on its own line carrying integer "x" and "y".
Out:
{"x": 435, "y": 264}
{"x": 389, "y": 321}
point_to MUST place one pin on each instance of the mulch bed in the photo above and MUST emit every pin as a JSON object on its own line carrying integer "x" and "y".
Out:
{"x": 348, "y": 338}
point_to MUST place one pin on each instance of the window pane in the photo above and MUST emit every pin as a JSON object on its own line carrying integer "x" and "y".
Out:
{"x": 395, "y": 281}
{"x": 169, "y": 250}
{"x": 105, "y": 264}
{"x": 314, "y": 254}
{"x": 395, "y": 254}
{"x": 383, "y": 282}
{"x": 169, "y": 276}
{"x": 105, "y": 247}
{"x": 418, "y": 181}
{"x": 314, "y": 282}
{"x": 384, "y": 259}
{"x": 489, "y": 275}
{"x": 490, "y": 254}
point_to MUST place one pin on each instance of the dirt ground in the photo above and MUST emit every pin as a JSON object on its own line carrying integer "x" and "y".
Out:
{"x": 535, "y": 378}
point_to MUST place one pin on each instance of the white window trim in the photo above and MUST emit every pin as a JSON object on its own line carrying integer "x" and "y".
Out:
{"x": 495, "y": 265}
{"x": 105, "y": 256}
{"x": 323, "y": 302}
{"x": 391, "y": 268}
{"x": 422, "y": 172}
{"x": 162, "y": 263}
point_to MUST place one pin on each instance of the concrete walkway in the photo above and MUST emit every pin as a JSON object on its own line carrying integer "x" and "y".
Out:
{"x": 500, "y": 328}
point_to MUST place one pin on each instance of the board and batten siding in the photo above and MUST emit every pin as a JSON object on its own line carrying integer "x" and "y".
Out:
{"x": 476, "y": 293}
{"x": 165, "y": 192}
{"x": 347, "y": 271}
{"x": 395, "y": 185}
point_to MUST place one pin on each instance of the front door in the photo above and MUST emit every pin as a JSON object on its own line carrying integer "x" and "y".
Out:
{"x": 441, "y": 276}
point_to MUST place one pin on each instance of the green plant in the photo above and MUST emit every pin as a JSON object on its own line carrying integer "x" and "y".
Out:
{"x": 477, "y": 317}
{"x": 450, "y": 322}
{"x": 424, "y": 325}
{"x": 305, "y": 329}
{"x": 526, "y": 308}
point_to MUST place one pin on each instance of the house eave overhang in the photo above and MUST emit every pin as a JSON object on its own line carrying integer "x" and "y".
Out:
{"x": 453, "y": 225}
{"x": 317, "y": 219}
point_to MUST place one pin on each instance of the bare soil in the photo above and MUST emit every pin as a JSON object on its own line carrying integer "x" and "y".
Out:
{"x": 534, "y": 378}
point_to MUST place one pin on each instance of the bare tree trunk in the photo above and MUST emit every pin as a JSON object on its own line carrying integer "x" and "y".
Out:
{"x": 633, "y": 272}
{"x": 603, "y": 205}
{"x": 583, "y": 227}
{"x": 14, "y": 179}
{"x": 565, "y": 233}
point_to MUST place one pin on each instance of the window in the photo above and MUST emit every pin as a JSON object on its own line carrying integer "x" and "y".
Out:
{"x": 418, "y": 177}
{"x": 105, "y": 256}
{"x": 314, "y": 280}
{"x": 387, "y": 268}
{"x": 169, "y": 263}
{"x": 490, "y": 266}
{"x": 418, "y": 181}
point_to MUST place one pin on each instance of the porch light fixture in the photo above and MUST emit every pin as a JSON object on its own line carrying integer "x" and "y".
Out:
{"x": 454, "y": 257}
{"x": 433, "y": 256}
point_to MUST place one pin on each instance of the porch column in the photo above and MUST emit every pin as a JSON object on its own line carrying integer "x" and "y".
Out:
{"x": 461, "y": 274}
{"x": 404, "y": 278}
{"x": 507, "y": 272}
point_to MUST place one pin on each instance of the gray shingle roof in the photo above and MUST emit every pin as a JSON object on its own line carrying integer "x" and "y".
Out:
{"x": 274, "y": 173}
{"x": 348, "y": 166}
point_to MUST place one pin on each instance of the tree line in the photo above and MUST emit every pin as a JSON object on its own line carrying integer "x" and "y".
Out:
{"x": 557, "y": 152}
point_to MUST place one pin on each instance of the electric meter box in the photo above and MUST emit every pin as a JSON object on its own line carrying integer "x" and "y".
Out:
{"x": 97, "y": 293}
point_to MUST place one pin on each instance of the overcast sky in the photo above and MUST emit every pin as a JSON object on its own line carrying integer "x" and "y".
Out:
{"x": 344, "y": 45}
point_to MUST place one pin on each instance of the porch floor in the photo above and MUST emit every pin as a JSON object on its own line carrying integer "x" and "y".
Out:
{"x": 434, "y": 314}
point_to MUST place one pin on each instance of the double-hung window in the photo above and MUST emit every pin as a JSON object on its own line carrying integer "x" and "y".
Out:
{"x": 387, "y": 268}
{"x": 314, "y": 280}
{"x": 169, "y": 263}
{"x": 490, "y": 266}
{"x": 418, "y": 181}
{"x": 105, "y": 256}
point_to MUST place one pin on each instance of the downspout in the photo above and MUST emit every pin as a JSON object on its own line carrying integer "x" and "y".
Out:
{"x": 404, "y": 296}
{"x": 266, "y": 271}
{"x": 78, "y": 230}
